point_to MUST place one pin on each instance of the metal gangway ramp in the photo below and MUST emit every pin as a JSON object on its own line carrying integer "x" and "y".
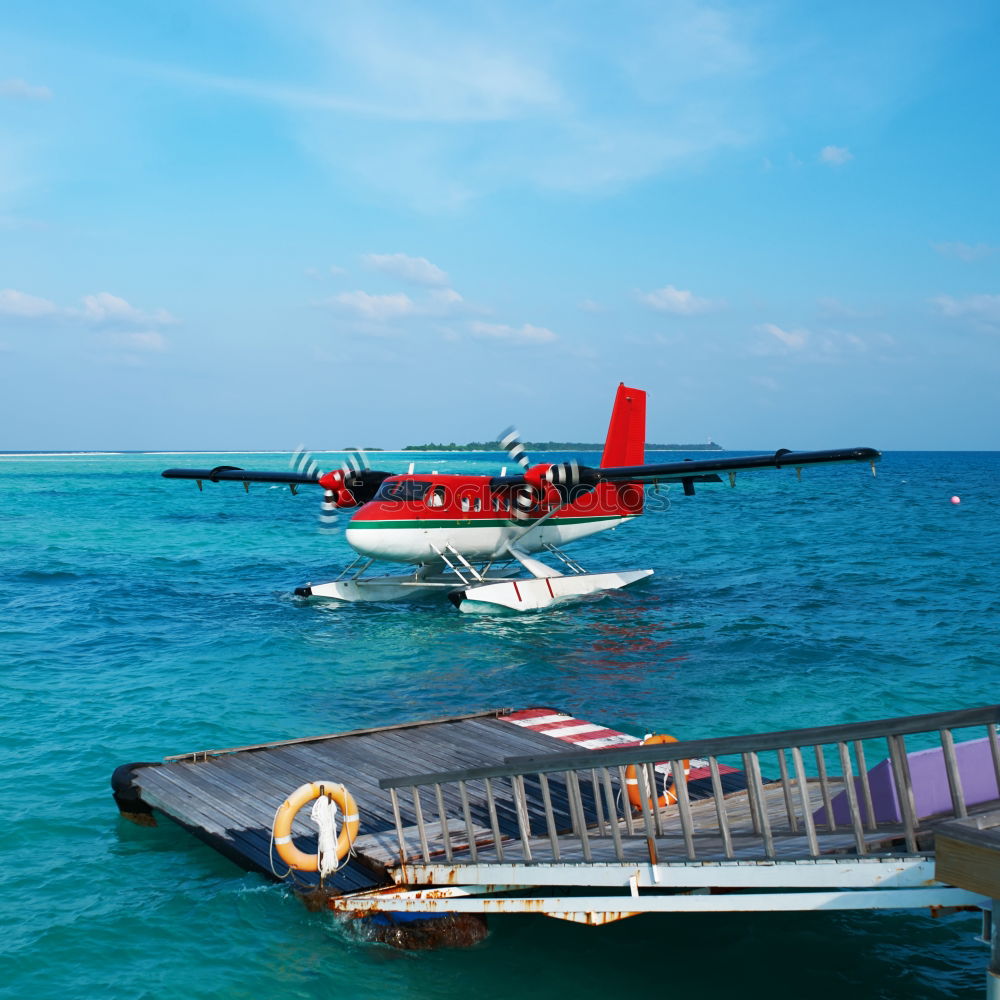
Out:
{"x": 836, "y": 817}
{"x": 849, "y": 816}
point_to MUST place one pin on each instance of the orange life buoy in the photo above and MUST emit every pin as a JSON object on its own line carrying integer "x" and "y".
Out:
{"x": 669, "y": 796}
{"x": 288, "y": 809}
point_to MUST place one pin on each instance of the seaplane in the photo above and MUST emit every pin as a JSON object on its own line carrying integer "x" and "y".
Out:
{"x": 483, "y": 541}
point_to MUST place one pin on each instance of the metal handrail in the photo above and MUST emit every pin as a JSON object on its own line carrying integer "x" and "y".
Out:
{"x": 722, "y": 746}
{"x": 597, "y": 804}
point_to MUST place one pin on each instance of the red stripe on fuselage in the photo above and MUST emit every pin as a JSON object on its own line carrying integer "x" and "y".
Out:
{"x": 460, "y": 496}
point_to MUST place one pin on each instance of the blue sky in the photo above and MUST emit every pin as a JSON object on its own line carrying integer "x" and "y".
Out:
{"x": 243, "y": 225}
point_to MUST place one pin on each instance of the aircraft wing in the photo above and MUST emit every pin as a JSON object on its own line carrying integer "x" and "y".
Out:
{"x": 343, "y": 487}
{"x": 689, "y": 471}
{"x": 781, "y": 459}
{"x": 232, "y": 473}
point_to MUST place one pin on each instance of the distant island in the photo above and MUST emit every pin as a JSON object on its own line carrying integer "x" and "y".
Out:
{"x": 557, "y": 446}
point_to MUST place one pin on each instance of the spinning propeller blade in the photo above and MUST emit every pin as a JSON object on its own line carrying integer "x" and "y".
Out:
{"x": 510, "y": 441}
{"x": 352, "y": 469}
{"x": 356, "y": 461}
{"x": 570, "y": 479}
{"x": 304, "y": 464}
{"x": 525, "y": 499}
{"x": 328, "y": 512}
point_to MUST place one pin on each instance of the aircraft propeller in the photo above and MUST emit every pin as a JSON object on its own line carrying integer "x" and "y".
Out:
{"x": 569, "y": 479}
{"x": 341, "y": 487}
{"x": 523, "y": 500}
{"x": 510, "y": 441}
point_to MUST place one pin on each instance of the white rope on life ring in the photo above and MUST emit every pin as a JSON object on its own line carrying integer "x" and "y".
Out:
{"x": 338, "y": 798}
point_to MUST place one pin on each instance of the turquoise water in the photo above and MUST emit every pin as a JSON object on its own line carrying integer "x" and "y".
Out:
{"x": 141, "y": 618}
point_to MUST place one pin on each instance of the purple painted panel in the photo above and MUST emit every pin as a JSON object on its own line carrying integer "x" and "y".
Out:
{"x": 930, "y": 784}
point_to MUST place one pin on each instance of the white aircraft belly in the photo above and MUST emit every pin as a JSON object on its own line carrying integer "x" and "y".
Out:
{"x": 416, "y": 545}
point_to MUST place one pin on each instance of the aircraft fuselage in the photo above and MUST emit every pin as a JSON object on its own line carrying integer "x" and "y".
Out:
{"x": 414, "y": 518}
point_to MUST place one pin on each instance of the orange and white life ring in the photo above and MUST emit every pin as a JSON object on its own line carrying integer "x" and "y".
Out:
{"x": 669, "y": 796}
{"x": 288, "y": 809}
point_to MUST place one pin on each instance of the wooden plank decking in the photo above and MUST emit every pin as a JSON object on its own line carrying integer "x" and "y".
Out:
{"x": 463, "y": 779}
{"x": 228, "y": 798}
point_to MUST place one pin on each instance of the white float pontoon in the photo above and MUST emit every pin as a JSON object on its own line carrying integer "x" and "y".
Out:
{"x": 473, "y": 586}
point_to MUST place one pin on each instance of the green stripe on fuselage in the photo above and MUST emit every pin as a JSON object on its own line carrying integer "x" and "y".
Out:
{"x": 482, "y": 522}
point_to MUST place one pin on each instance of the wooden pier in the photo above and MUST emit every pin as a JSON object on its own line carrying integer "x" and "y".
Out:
{"x": 508, "y": 812}
{"x": 228, "y": 798}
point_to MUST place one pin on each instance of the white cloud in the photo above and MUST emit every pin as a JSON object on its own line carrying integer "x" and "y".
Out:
{"x": 440, "y": 109}
{"x": 24, "y": 90}
{"x": 103, "y": 307}
{"x": 590, "y": 306}
{"x": 335, "y": 270}
{"x": 378, "y": 308}
{"x": 526, "y": 334}
{"x": 436, "y": 109}
{"x": 418, "y": 270}
{"x": 674, "y": 43}
{"x": 437, "y": 302}
{"x": 982, "y": 310}
{"x": 964, "y": 251}
{"x": 144, "y": 340}
{"x": 138, "y": 343}
{"x": 793, "y": 339}
{"x": 819, "y": 346}
{"x": 676, "y": 300}
{"x": 446, "y": 297}
{"x": 460, "y": 84}
{"x": 15, "y": 303}
{"x": 100, "y": 311}
{"x": 835, "y": 156}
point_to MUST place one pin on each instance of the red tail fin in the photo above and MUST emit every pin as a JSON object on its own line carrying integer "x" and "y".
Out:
{"x": 626, "y": 440}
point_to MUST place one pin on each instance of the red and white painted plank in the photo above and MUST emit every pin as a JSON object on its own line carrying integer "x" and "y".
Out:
{"x": 590, "y": 736}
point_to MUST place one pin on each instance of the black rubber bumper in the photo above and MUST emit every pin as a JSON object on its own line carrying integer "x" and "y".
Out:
{"x": 127, "y": 796}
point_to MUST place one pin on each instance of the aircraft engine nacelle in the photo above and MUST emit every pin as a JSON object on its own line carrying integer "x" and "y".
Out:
{"x": 570, "y": 480}
{"x": 540, "y": 479}
{"x": 352, "y": 489}
{"x": 536, "y": 477}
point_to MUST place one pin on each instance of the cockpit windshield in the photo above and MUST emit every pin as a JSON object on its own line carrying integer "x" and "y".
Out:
{"x": 405, "y": 491}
